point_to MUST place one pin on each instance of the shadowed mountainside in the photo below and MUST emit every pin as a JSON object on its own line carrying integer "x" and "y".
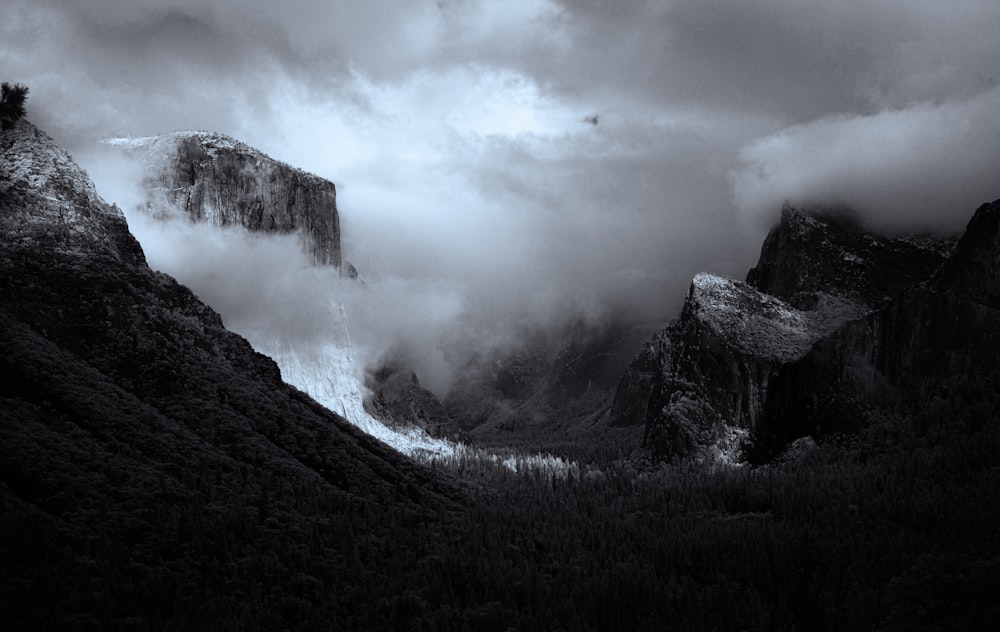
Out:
{"x": 701, "y": 386}
{"x": 935, "y": 340}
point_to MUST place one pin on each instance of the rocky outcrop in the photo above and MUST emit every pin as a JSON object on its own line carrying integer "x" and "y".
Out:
{"x": 702, "y": 385}
{"x": 214, "y": 178}
{"x": 398, "y": 399}
{"x": 47, "y": 201}
{"x": 830, "y": 253}
{"x": 704, "y": 380}
{"x": 938, "y": 340}
{"x": 972, "y": 273}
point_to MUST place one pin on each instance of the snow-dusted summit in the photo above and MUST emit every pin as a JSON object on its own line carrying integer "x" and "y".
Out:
{"x": 215, "y": 178}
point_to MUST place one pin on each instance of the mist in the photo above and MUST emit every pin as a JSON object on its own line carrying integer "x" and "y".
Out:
{"x": 266, "y": 289}
{"x": 920, "y": 168}
{"x": 525, "y": 167}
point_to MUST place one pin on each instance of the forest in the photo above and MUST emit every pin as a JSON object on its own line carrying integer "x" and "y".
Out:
{"x": 894, "y": 528}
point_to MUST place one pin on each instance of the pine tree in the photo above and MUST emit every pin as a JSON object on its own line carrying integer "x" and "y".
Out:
{"x": 12, "y": 99}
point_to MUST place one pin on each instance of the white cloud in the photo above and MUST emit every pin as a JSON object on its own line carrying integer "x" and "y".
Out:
{"x": 455, "y": 130}
{"x": 925, "y": 166}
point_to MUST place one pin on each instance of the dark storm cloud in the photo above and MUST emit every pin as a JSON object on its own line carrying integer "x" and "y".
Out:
{"x": 791, "y": 60}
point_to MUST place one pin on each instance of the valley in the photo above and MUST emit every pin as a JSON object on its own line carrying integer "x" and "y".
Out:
{"x": 816, "y": 450}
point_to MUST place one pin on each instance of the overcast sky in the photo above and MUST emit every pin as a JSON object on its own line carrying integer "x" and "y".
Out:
{"x": 549, "y": 154}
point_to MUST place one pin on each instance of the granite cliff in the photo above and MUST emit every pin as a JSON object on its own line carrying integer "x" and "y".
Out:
{"x": 938, "y": 341}
{"x": 212, "y": 177}
{"x": 701, "y": 386}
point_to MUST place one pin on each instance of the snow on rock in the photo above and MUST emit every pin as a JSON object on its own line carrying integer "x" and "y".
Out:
{"x": 49, "y": 200}
{"x": 762, "y": 325}
{"x": 330, "y": 375}
{"x": 214, "y": 178}
{"x": 211, "y": 141}
{"x": 706, "y": 378}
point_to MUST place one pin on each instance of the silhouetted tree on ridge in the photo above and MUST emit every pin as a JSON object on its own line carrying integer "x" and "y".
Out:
{"x": 12, "y": 100}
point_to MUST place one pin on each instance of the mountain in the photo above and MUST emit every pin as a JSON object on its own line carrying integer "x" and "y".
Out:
{"x": 934, "y": 344}
{"x": 544, "y": 393}
{"x": 153, "y": 466}
{"x": 702, "y": 386}
{"x": 215, "y": 178}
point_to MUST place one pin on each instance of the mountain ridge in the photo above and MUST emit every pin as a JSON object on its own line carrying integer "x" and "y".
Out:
{"x": 705, "y": 379}
{"x": 907, "y": 353}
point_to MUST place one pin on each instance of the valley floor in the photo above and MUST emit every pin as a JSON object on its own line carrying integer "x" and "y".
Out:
{"x": 892, "y": 529}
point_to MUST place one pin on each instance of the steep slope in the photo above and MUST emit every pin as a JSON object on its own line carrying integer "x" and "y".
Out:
{"x": 937, "y": 342}
{"x": 700, "y": 386}
{"x": 823, "y": 252}
{"x": 214, "y": 178}
{"x": 153, "y": 466}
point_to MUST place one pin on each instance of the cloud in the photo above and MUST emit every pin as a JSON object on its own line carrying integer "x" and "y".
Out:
{"x": 267, "y": 290}
{"x": 922, "y": 167}
{"x": 471, "y": 186}
{"x": 786, "y": 61}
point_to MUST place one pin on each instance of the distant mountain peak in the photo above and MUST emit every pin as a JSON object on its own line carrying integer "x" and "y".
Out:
{"x": 701, "y": 385}
{"x": 829, "y": 251}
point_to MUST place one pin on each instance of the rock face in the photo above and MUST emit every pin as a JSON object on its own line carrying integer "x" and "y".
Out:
{"x": 398, "y": 399}
{"x": 702, "y": 385}
{"x": 938, "y": 340}
{"x": 809, "y": 255}
{"x": 215, "y": 178}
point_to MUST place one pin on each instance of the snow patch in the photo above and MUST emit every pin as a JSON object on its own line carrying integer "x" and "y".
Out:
{"x": 763, "y": 325}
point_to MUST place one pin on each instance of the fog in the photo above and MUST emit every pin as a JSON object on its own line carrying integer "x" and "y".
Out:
{"x": 924, "y": 167}
{"x": 524, "y": 164}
